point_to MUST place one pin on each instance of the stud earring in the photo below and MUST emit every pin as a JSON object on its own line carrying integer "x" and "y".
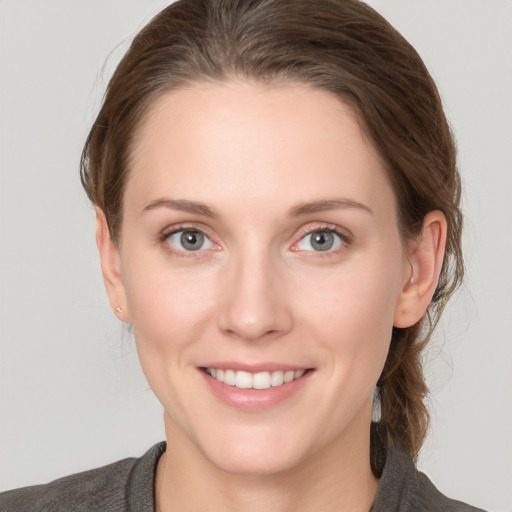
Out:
{"x": 119, "y": 309}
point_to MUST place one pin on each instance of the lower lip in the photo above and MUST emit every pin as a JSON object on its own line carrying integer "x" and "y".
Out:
{"x": 255, "y": 400}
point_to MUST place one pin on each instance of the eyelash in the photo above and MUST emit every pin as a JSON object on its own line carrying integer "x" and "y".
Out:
{"x": 344, "y": 237}
{"x": 164, "y": 236}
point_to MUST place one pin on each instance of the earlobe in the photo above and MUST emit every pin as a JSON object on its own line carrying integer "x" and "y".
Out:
{"x": 111, "y": 268}
{"x": 425, "y": 262}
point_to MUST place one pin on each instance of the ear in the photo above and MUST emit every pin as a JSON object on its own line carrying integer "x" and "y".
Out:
{"x": 111, "y": 268}
{"x": 425, "y": 260}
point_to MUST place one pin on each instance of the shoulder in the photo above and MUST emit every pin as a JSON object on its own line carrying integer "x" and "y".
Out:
{"x": 427, "y": 495}
{"x": 108, "y": 488}
{"x": 101, "y": 488}
{"x": 403, "y": 488}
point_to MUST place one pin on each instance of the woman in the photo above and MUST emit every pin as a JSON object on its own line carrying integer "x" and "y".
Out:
{"x": 277, "y": 217}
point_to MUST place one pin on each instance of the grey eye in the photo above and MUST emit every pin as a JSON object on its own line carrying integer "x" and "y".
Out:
{"x": 189, "y": 240}
{"x": 192, "y": 240}
{"x": 320, "y": 241}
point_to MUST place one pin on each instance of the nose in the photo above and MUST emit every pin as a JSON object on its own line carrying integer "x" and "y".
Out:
{"x": 254, "y": 300}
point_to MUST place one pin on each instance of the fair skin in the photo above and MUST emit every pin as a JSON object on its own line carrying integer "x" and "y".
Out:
{"x": 260, "y": 233}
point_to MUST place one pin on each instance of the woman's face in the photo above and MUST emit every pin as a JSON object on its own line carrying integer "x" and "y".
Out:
{"x": 260, "y": 239}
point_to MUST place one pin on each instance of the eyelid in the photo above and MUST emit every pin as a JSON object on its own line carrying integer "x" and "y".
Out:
{"x": 344, "y": 234}
{"x": 185, "y": 226}
{"x": 167, "y": 232}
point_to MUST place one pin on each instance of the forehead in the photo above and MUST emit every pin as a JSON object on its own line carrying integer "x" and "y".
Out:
{"x": 290, "y": 142}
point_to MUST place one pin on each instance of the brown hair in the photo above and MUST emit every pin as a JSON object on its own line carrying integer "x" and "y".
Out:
{"x": 342, "y": 46}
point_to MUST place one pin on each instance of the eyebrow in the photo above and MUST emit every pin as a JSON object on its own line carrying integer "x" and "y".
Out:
{"x": 297, "y": 211}
{"x": 181, "y": 206}
{"x": 326, "y": 205}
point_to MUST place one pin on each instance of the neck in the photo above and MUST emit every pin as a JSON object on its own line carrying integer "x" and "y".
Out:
{"x": 337, "y": 479}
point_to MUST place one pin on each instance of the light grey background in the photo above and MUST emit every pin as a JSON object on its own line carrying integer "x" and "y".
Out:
{"x": 72, "y": 396}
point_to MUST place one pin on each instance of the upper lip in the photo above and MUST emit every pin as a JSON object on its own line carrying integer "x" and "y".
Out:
{"x": 254, "y": 367}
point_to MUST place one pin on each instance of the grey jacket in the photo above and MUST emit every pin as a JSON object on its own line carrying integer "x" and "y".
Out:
{"x": 128, "y": 486}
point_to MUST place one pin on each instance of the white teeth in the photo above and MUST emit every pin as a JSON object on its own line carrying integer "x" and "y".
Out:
{"x": 243, "y": 380}
{"x": 288, "y": 376}
{"x": 260, "y": 380}
{"x": 229, "y": 377}
{"x": 276, "y": 378}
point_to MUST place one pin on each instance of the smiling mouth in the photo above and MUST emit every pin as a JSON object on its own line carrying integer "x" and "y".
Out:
{"x": 259, "y": 380}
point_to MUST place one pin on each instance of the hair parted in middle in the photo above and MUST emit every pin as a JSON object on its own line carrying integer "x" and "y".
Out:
{"x": 341, "y": 46}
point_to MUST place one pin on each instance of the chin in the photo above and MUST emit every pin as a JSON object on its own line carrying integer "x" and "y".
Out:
{"x": 249, "y": 452}
{"x": 245, "y": 462}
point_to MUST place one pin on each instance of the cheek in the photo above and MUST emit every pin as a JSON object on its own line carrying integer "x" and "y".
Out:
{"x": 363, "y": 296}
{"x": 168, "y": 309}
{"x": 169, "y": 312}
{"x": 353, "y": 308}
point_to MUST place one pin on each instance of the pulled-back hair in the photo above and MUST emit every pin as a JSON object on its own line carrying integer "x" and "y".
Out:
{"x": 341, "y": 46}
